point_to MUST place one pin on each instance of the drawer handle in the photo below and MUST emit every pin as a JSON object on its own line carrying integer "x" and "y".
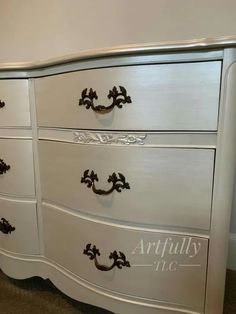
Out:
{"x": 118, "y": 99}
{"x": 2, "y": 104}
{"x": 5, "y": 227}
{"x": 3, "y": 167}
{"x": 119, "y": 260}
{"x": 118, "y": 182}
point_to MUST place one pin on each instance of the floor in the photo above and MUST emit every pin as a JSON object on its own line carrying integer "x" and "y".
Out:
{"x": 39, "y": 296}
{"x": 230, "y": 293}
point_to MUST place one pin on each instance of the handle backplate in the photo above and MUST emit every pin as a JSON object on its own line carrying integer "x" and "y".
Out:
{"x": 119, "y": 260}
{"x": 5, "y": 226}
{"x": 119, "y": 98}
{"x": 2, "y": 104}
{"x": 3, "y": 167}
{"x": 118, "y": 182}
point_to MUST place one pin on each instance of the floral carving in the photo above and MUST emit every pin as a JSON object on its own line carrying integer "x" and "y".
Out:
{"x": 104, "y": 138}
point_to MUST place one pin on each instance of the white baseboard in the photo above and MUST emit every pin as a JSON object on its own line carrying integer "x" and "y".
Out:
{"x": 232, "y": 252}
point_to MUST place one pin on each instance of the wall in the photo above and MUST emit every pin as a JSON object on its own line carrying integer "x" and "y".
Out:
{"x": 35, "y": 30}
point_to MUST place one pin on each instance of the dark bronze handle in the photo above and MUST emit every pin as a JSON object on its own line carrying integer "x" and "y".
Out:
{"x": 118, "y": 99}
{"x": 2, "y": 104}
{"x": 118, "y": 183}
{"x": 3, "y": 167}
{"x": 119, "y": 260}
{"x": 5, "y": 227}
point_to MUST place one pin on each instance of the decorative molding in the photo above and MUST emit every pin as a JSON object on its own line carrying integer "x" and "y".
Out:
{"x": 149, "y": 139}
{"x": 105, "y": 138}
{"x": 114, "y": 51}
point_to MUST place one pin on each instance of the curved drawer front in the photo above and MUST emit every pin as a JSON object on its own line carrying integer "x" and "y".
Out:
{"x": 167, "y": 186}
{"x": 163, "y": 97}
{"x": 20, "y": 216}
{"x": 164, "y": 267}
{"x": 17, "y": 167}
{"x": 14, "y": 103}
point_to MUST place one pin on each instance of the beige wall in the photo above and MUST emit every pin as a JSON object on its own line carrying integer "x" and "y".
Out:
{"x": 41, "y": 29}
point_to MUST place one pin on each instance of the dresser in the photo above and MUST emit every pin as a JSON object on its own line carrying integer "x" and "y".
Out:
{"x": 117, "y": 174}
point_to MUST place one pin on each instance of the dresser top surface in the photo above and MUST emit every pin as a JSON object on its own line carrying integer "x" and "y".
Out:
{"x": 158, "y": 47}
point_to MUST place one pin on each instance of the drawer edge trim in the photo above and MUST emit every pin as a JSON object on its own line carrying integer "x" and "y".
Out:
{"x": 130, "y": 138}
{"x": 124, "y": 225}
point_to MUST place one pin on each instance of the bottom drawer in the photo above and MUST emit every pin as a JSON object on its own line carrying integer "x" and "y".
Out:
{"x": 23, "y": 236}
{"x": 164, "y": 267}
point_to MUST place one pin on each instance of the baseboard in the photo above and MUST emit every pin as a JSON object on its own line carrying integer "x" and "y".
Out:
{"x": 232, "y": 252}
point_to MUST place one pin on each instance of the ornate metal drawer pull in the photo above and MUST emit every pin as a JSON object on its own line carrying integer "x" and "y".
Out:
{"x": 119, "y": 260}
{"x": 3, "y": 167}
{"x": 5, "y": 227}
{"x": 118, "y": 99}
{"x": 2, "y": 104}
{"x": 118, "y": 183}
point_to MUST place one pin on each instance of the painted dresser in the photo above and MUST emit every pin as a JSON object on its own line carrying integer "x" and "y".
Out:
{"x": 116, "y": 175}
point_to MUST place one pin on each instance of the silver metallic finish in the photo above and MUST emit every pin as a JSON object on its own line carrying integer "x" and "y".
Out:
{"x": 174, "y": 46}
{"x": 22, "y": 215}
{"x": 15, "y": 94}
{"x": 25, "y": 266}
{"x": 154, "y": 175}
{"x": 19, "y": 180}
{"x": 23, "y": 133}
{"x": 212, "y": 149}
{"x": 160, "y": 101}
{"x": 108, "y": 138}
{"x": 223, "y": 187}
{"x": 123, "y": 60}
{"x": 148, "y": 139}
{"x": 140, "y": 249}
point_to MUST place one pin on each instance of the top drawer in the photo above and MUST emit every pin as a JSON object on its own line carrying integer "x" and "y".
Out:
{"x": 14, "y": 103}
{"x": 182, "y": 96}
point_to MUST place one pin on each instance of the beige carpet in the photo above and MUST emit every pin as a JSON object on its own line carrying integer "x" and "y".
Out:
{"x": 38, "y": 296}
{"x": 230, "y": 293}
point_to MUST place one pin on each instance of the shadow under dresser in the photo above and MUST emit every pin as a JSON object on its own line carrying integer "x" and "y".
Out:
{"x": 116, "y": 175}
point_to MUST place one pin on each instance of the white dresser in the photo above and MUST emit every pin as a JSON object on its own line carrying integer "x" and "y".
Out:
{"x": 116, "y": 175}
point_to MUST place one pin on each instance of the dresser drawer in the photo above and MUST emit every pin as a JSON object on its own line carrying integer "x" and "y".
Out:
{"x": 16, "y": 167}
{"x": 14, "y": 103}
{"x": 163, "y": 97}
{"x": 164, "y": 267}
{"x": 167, "y": 186}
{"x": 18, "y": 226}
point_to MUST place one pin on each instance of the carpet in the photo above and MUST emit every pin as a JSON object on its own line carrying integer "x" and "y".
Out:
{"x": 38, "y": 296}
